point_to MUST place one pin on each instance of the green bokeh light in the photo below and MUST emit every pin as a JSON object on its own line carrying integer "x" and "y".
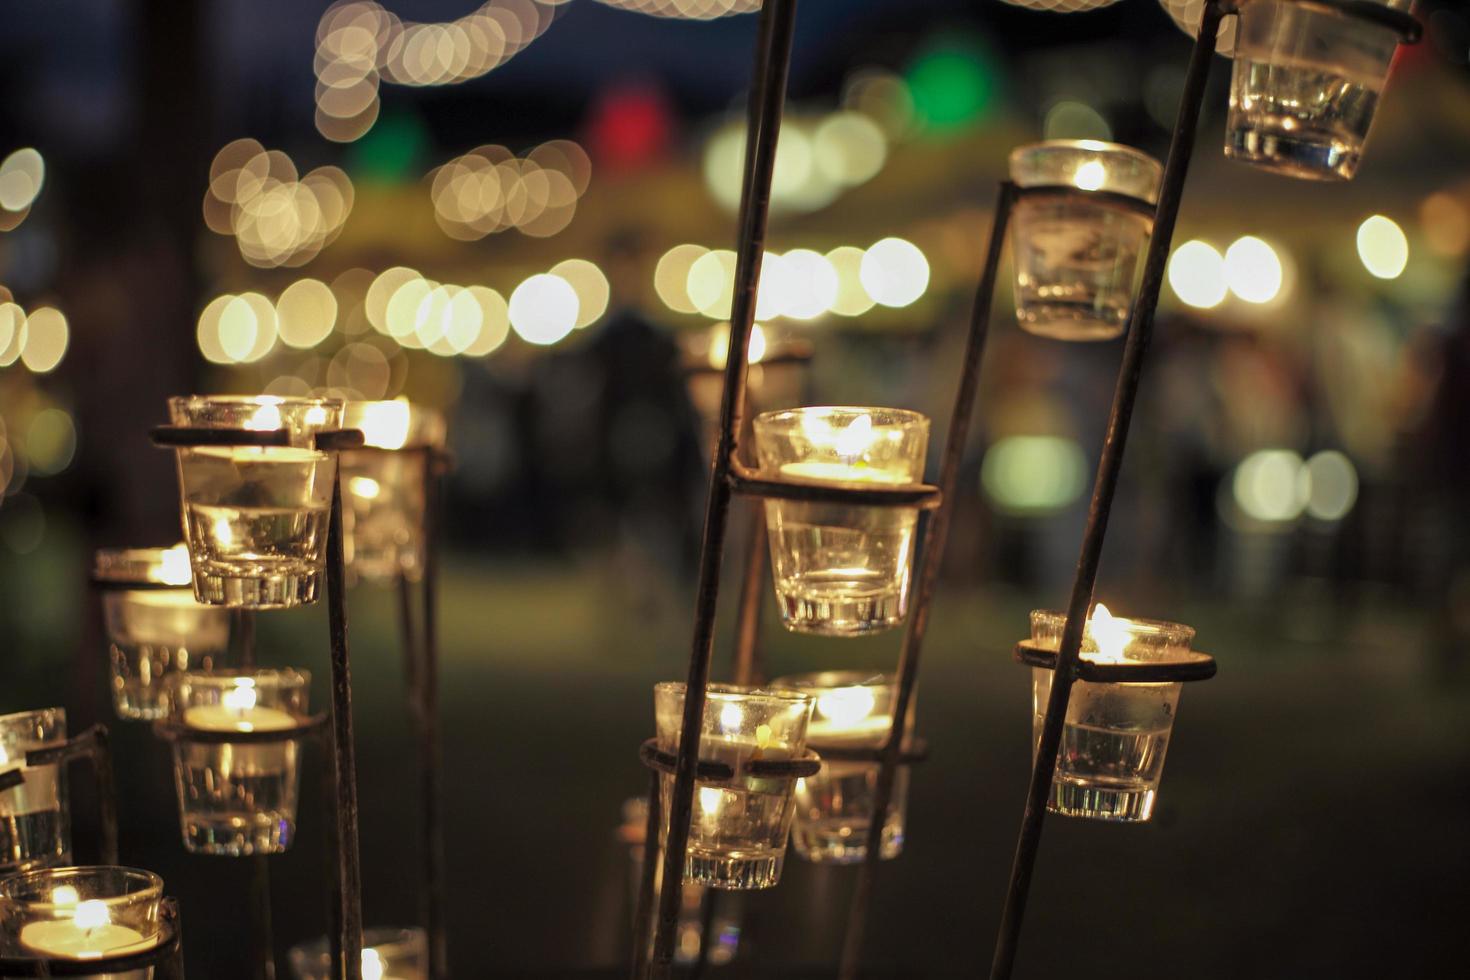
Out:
{"x": 954, "y": 84}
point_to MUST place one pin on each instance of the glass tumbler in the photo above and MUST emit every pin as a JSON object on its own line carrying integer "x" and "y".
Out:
{"x": 839, "y": 569}
{"x": 383, "y": 488}
{"x": 81, "y": 914}
{"x": 1077, "y": 256}
{"x": 739, "y": 828}
{"x": 153, "y": 631}
{"x": 1115, "y": 735}
{"x": 35, "y": 820}
{"x": 1304, "y": 87}
{"x": 387, "y": 954}
{"x": 239, "y": 798}
{"x": 834, "y": 808}
{"x": 255, "y": 518}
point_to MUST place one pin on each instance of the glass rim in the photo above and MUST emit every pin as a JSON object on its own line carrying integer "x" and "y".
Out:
{"x": 736, "y": 692}
{"x": 279, "y": 676}
{"x": 836, "y": 680}
{"x": 1178, "y": 632}
{"x": 33, "y": 713}
{"x": 135, "y": 565}
{"x": 1090, "y": 146}
{"x": 152, "y": 881}
{"x": 897, "y": 416}
{"x": 290, "y": 401}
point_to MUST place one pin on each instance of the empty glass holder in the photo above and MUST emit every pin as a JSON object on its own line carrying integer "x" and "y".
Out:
{"x": 1077, "y": 255}
{"x": 387, "y": 954}
{"x": 1306, "y": 82}
{"x": 841, "y": 569}
{"x": 239, "y": 798}
{"x": 1115, "y": 734}
{"x": 35, "y": 819}
{"x": 834, "y": 809}
{"x": 255, "y": 518}
{"x": 383, "y": 484}
{"x": 156, "y": 627}
{"x": 739, "y": 828}
{"x": 81, "y": 914}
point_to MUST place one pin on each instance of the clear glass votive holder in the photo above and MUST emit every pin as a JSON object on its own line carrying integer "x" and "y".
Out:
{"x": 841, "y": 569}
{"x": 739, "y": 828}
{"x": 239, "y": 798}
{"x": 1115, "y": 735}
{"x": 1077, "y": 256}
{"x": 387, "y": 954}
{"x": 35, "y": 819}
{"x": 725, "y": 919}
{"x": 383, "y": 488}
{"x": 1304, "y": 87}
{"x": 154, "y": 631}
{"x": 773, "y": 378}
{"x": 255, "y": 518}
{"x": 82, "y": 914}
{"x": 834, "y": 808}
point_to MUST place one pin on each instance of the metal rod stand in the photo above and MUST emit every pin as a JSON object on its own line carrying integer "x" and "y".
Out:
{"x": 935, "y": 532}
{"x": 349, "y": 869}
{"x": 260, "y": 903}
{"x": 430, "y": 752}
{"x": 750, "y": 668}
{"x": 1140, "y": 332}
{"x": 643, "y": 918}
{"x": 767, "y": 97}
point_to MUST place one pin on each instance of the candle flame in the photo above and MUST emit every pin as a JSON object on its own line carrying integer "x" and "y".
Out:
{"x": 855, "y": 440}
{"x": 730, "y": 717}
{"x": 372, "y": 965}
{"x": 266, "y": 418}
{"x": 64, "y": 895}
{"x": 1110, "y": 634}
{"x": 846, "y": 706}
{"x": 91, "y": 914}
{"x": 385, "y": 424}
{"x": 4, "y": 756}
{"x": 173, "y": 568}
{"x": 242, "y": 696}
{"x": 1090, "y": 176}
{"x": 364, "y": 487}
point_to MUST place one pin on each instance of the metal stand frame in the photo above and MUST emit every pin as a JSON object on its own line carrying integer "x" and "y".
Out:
{"x": 347, "y": 881}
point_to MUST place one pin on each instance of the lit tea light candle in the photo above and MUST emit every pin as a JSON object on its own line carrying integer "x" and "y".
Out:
{"x": 82, "y": 914}
{"x": 849, "y": 716}
{"x": 387, "y": 954}
{"x": 89, "y": 934}
{"x": 238, "y": 712}
{"x": 384, "y": 507}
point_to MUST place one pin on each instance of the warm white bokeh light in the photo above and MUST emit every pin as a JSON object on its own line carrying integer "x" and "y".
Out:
{"x": 305, "y": 313}
{"x": 894, "y": 272}
{"x": 1383, "y": 247}
{"x": 543, "y": 309}
{"x": 591, "y": 285}
{"x": 1253, "y": 270}
{"x": 1197, "y": 275}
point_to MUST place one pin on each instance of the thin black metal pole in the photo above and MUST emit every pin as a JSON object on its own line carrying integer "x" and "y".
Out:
{"x": 643, "y": 918}
{"x": 106, "y": 792}
{"x": 767, "y": 96}
{"x": 749, "y": 664}
{"x": 708, "y": 905}
{"x": 245, "y": 622}
{"x": 408, "y": 638}
{"x": 1140, "y": 332}
{"x": 932, "y": 557}
{"x": 260, "y": 903}
{"x": 349, "y": 868}
{"x": 430, "y": 753}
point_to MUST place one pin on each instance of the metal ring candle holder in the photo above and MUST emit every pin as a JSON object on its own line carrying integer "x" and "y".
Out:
{"x": 1190, "y": 665}
{"x": 746, "y": 482}
{"x": 309, "y": 726}
{"x": 162, "y": 957}
{"x": 94, "y": 745}
{"x": 717, "y": 772}
{"x": 347, "y": 898}
{"x": 1126, "y": 202}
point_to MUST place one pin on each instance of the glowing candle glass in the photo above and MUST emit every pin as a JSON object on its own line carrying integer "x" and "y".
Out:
{"x": 255, "y": 518}
{"x": 1115, "y": 735}
{"x": 739, "y": 828}
{"x": 839, "y": 569}
{"x": 81, "y": 914}
{"x": 383, "y": 489}
{"x": 387, "y": 954}
{"x": 154, "y": 632}
{"x": 834, "y": 808}
{"x": 773, "y": 378}
{"x": 1077, "y": 256}
{"x": 238, "y": 798}
{"x": 1304, "y": 88}
{"x": 35, "y": 821}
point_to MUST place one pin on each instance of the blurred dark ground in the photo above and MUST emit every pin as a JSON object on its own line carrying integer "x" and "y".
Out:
{"x": 1312, "y": 812}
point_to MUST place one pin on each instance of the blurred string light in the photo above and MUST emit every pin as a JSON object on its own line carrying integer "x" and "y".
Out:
{"x": 490, "y": 190}
{"x": 882, "y": 96}
{"x": 1383, "y": 247}
{"x": 1276, "y": 486}
{"x": 360, "y": 45}
{"x": 1061, "y": 6}
{"x": 276, "y": 219}
{"x": 802, "y": 284}
{"x": 1253, "y": 270}
{"x": 543, "y": 309}
{"x": 1032, "y": 475}
{"x": 591, "y": 286}
{"x": 816, "y": 160}
{"x": 953, "y": 81}
{"x": 1197, "y": 275}
{"x": 22, "y": 174}
{"x": 687, "y": 9}
{"x": 1186, "y": 15}
{"x": 1073, "y": 120}
{"x": 37, "y": 340}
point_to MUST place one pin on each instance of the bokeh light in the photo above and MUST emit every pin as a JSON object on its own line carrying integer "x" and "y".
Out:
{"x": 810, "y": 284}
{"x": 1383, "y": 247}
{"x": 711, "y": 283}
{"x": 543, "y": 309}
{"x": 276, "y": 218}
{"x": 1033, "y": 474}
{"x": 852, "y": 298}
{"x": 46, "y": 338}
{"x": 671, "y": 277}
{"x": 306, "y": 311}
{"x": 1197, "y": 274}
{"x": 1332, "y": 485}
{"x": 1270, "y": 486}
{"x": 21, "y": 175}
{"x": 1446, "y": 222}
{"x": 491, "y": 190}
{"x": 591, "y": 286}
{"x": 51, "y": 441}
{"x": 894, "y": 272}
{"x": 1253, "y": 270}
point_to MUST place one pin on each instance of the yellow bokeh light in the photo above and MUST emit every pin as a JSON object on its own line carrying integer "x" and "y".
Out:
{"x": 385, "y": 424}
{"x": 494, "y": 321}
{"x": 1383, "y": 247}
{"x": 1197, "y": 274}
{"x": 375, "y": 305}
{"x": 593, "y": 290}
{"x": 266, "y": 333}
{"x": 306, "y": 311}
{"x": 208, "y": 332}
{"x": 237, "y": 329}
{"x": 1446, "y": 222}
{"x": 21, "y": 175}
{"x": 543, "y": 309}
{"x": 812, "y": 284}
{"x": 894, "y": 272}
{"x": 1271, "y": 485}
{"x": 711, "y": 283}
{"x": 46, "y": 337}
{"x": 403, "y": 310}
{"x": 851, "y": 299}
{"x": 671, "y": 277}
{"x": 849, "y": 148}
{"x": 12, "y": 333}
{"x": 1253, "y": 270}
